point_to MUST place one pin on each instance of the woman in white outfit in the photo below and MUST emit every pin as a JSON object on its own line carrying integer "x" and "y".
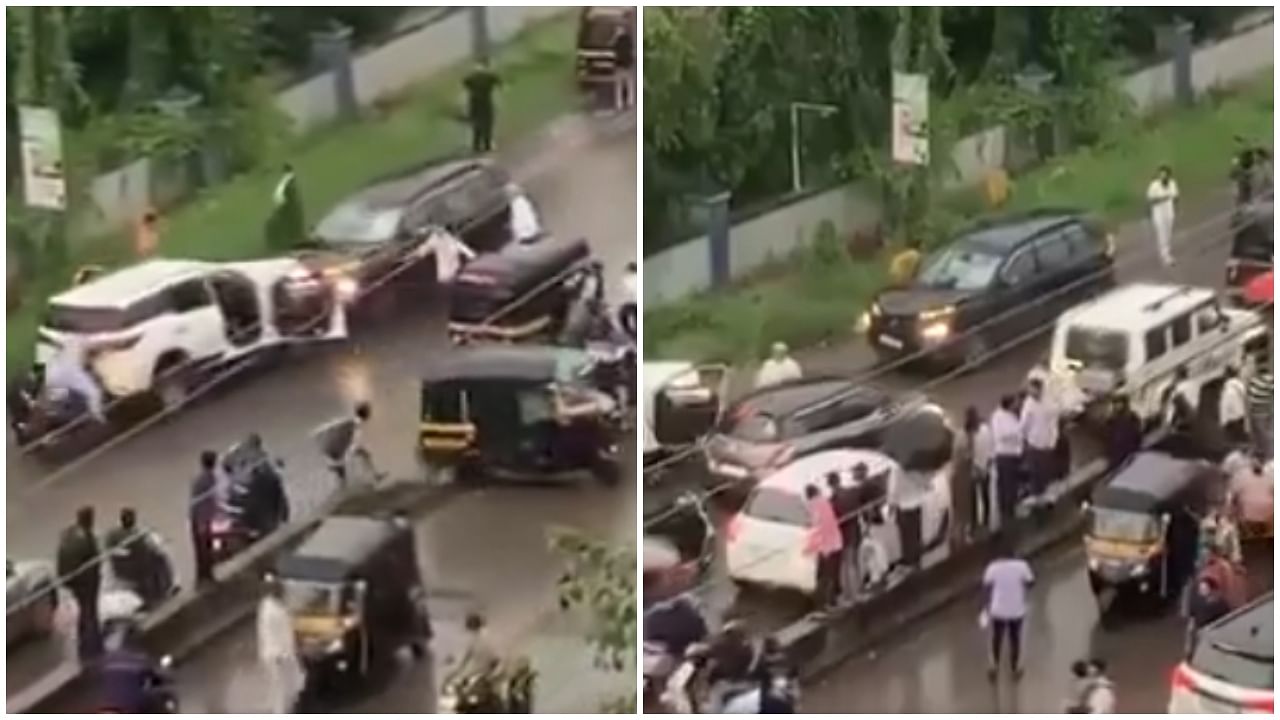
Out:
{"x": 1162, "y": 197}
{"x": 278, "y": 651}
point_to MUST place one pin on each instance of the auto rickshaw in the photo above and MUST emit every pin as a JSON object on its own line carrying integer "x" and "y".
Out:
{"x": 518, "y": 293}
{"x": 597, "y": 28}
{"x": 354, "y": 592}
{"x": 518, "y": 413}
{"x": 1142, "y": 527}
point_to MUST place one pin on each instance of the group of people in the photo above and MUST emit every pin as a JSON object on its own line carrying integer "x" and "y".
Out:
{"x": 732, "y": 674}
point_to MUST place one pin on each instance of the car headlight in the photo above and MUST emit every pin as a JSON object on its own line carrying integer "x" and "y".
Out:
{"x": 864, "y": 323}
{"x": 335, "y": 646}
{"x": 936, "y": 331}
{"x": 1138, "y": 569}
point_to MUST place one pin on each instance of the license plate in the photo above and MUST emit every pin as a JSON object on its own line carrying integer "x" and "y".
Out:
{"x": 891, "y": 341}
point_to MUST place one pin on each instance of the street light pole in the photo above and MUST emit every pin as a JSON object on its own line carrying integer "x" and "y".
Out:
{"x": 796, "y": 107}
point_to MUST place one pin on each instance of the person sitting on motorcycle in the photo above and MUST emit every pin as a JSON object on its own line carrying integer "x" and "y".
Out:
{"x": 477, "y": 679}
{"x": 732, "y": 659}
{"x": 139, "y": 559}
{"x": 686, "y": 687}
{"x": 675, "y": 624}
{"x": 129, "y": 677}
{"x": 256, "y": 494}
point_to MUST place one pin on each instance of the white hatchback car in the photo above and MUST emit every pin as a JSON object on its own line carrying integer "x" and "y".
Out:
{"x": 768, "y": 542}
{"x": 152, "y": 327}
{"x": 1231, "y": 666}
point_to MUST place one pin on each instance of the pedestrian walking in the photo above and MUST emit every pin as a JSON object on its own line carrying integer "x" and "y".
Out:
{"x": 80, "y": 570}
{"x": 982, "y": 467}
{"x": 1124, "y": 432}
{"x": 1233, "y": 408}
{"x": 1006, "y": 581}
{"x": 1162, "y": 199}
{"x": 846, "y": 500}
{"x": 480, "y": 85}
{"x": 779, "y": 368}
{"x": 287, "y": 224}
{"x": 449, "y": 251}
{"x": 278, "y": 651}
{"x": 963, "y": 479}
{"x": 624, "y": 63}
{"x": 826, "y": 544}
{"x": 146, "y": 234}
{"x": 202, "y": 506}
{"x": 1006, "y": 434}
{"x": 1040, "y": 432}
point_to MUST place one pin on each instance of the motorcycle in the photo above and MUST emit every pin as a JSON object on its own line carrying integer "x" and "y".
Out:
{"x": 161, "y": 696}
{"x": 496, "y": 693}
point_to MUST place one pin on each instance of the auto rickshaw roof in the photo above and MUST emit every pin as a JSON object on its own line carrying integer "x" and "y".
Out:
{"x": 1147, "y": 481}
{"x": 340, "y": 545}
{"x": 531, "y": 363}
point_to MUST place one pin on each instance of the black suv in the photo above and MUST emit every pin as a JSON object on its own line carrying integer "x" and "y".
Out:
{"x": 375, "y": 231}
{"x": 997, "y": 281}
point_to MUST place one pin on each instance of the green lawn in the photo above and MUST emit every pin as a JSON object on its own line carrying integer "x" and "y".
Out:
{"x": 227, "y": 222}
{"x": 820, "y": 295}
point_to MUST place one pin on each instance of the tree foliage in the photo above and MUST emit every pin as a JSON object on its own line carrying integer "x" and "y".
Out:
{"x": 599, "y": 580}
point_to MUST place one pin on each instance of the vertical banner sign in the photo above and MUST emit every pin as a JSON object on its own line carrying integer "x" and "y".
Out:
{"x": 910, "y": 118}
{"x": 42, "y": 171}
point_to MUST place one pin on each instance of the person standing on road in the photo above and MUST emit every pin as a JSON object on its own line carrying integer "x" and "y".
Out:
{"x": 79, "y": 569}
{"x": 624, "y": 63}
{"x": 1006, "y": 582}
{"x": 480, "y": 85}
{"x": 286, "y": 225}
{"x": 1006, "y": 434}
{"x": 1162, "y": 199}
{"x": 201, "y": 508}
{"x": 983, "y": 444}
{"x": 1232, "y": 408}
{"x": 146, "y": 234}
{"x": 779, "y": 368}
{"x": 278, "y": 650}
{"x": 826, "y": 545}
{"x": 963, "y": 480}
{"x": 1040, "y": 426}
{"x": 907, "y": 496}
{"x": 845, "y": 502}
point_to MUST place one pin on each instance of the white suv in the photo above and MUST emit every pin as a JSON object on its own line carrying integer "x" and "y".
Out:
{"x": 153, "y": 327}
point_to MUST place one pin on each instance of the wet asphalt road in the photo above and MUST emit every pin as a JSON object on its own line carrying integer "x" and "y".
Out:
{"x": 489, "y": 546}
{"x": 940, "y": 667}
{"x": 1201, "y": 254}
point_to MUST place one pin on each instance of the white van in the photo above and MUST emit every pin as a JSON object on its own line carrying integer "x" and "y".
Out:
{"x": 1131, "y": 341}
{"x": 768, "y": 542}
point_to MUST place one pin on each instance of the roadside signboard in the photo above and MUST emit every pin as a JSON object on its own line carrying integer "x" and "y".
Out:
{"x": 910, "y": 118}
{"x": 43, "y": 179}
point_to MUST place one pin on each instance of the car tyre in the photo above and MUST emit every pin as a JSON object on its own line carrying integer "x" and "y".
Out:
{"x": 172, "y": 385}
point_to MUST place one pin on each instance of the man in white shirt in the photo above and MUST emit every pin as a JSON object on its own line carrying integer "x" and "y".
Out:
{"x": 1232, "y": 408}
{"x": 1006, "y": 581}
{"x": 278, "y": 651}
{"x": 1162, "y": 198}
{"x": 525, "y": 227}
{"x": 449, "y": 252}
{"x": 1039, "y": 423}
{"x": 1006, "y": 434}
{"x": 779, "y": 368}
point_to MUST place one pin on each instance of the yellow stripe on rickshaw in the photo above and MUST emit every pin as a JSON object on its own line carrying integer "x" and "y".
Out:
{"x": 1120, "y": 550}
{"x": 317, "y": 625}
{"x": 516, "y": 331}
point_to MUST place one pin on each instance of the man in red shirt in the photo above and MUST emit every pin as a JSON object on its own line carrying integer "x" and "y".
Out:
{"x": 826, "y": 543}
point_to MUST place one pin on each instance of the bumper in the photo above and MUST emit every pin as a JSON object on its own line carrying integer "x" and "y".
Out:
{"x": 905, "y": 339}
{"x": 790, "y": 571}
{"x": 1122, "y": 576}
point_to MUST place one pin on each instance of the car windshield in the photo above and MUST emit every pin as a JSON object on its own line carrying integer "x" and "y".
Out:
{"x": 773, "y": 505}
{"x": 960, "y": 267}
{"x": 311, "y": 598}
{"x": 357, "y": 223}
{"x": 1093, "y": 348}
{"x": 1122, "y": 525}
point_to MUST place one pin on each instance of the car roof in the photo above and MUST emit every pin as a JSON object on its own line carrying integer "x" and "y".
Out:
{"x": 340, "y": 544}
{"x": 536, "y": 363}
{"x": 1147, "y": 480}
{"x": 397, "y": 190}
{"x": 1138, "y": 306}
{"x": 813, "y": 469}
{"x": 786, "y": 399}
{"x": 1249, "y": 630}
{"x": 1003, "y": 233}
{"x": 124, "y": 286}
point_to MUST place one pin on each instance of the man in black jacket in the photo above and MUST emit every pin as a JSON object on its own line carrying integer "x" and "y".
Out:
{"x": 201, "y": 509}
{"x": 79, "y": 568}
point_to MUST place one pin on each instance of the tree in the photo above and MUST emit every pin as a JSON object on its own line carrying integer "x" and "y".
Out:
{"x": 599, "y": 579}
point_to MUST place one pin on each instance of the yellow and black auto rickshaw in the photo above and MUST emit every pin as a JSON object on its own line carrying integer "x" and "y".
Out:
{"x": 1143, "y": 526}
{"x": 598, "y": 27}
{"x": 519, "y": 293}
{"x": 354, "y": 592}
{"x": 516, "y": 413}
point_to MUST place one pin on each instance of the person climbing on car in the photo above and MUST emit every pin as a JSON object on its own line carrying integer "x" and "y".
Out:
{"x": 70, "y": 371}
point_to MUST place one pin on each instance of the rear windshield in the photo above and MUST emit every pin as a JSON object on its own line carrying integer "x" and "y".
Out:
{"x": 1254, "y": 670}
{"x": 1106, "y": 349}
{"x": 65, "y": 318}
{"x": 1122, "y": 525}
{"x": 774, "y": 505}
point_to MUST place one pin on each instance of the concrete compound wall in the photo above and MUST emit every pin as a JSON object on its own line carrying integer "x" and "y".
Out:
{"x": 685, "y": 268}
{"x": 120, "y": 196}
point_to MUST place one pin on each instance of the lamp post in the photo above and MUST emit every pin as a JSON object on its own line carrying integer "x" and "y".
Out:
{"x": 797, "y": 108}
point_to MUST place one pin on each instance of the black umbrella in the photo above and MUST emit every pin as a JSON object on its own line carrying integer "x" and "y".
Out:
{"x": 922, "y": 441}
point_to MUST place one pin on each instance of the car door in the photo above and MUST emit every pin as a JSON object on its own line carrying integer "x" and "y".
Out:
{"x": 284, "y": 288}
{"x": 1016, "y": 295}
{"x": 1065, "y": 260}
{"x": 195, "y": 321}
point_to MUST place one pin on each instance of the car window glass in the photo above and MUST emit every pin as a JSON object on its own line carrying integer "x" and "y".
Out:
{"x": 1181, "y": 326}
{"x": 188, "y": 296}
{"x": 1053, "y": 252}
{"x": 1019, "y": 268}
{"x": 773, "y": 505}
{"x": 1079, "y": 241}
{"x": 1155, "y": 343}
{"x": 1207, "y": 318}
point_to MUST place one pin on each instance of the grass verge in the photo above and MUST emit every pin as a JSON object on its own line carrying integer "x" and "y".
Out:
{"x": 226, "y": 222}
{"x": 818, "y": 293}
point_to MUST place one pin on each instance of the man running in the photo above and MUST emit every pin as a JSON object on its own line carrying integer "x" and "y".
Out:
{"x": 1006, "y": 581}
